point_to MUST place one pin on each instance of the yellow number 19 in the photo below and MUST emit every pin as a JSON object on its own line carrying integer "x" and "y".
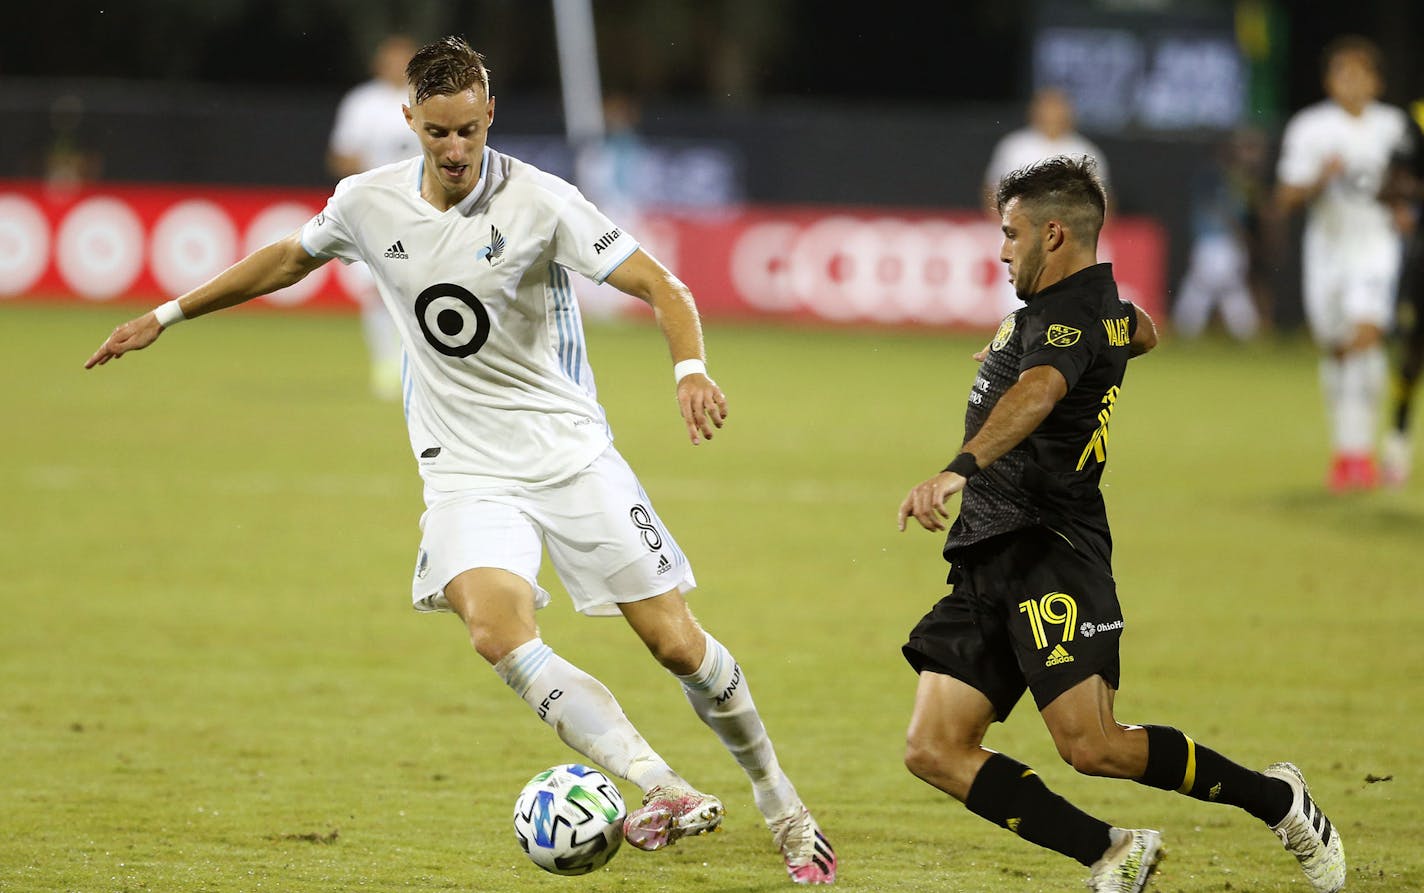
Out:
{"x": 1048, "y": 609}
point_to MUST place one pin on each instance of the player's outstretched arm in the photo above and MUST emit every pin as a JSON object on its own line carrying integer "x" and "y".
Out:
{"x": 264, "y": 271}
{"x": 702, "y": 403}
{"x": 1020, "y": 410}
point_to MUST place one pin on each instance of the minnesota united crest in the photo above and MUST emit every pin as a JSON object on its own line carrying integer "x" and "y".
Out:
{"x": 494, "y": 251}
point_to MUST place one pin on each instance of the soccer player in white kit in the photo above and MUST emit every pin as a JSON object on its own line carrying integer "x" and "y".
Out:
{"x": 1050, "y": 131}
{"x": 369, "y": 132}
{"x": 471, "y": 251}
{"x": 1334, "y": 156}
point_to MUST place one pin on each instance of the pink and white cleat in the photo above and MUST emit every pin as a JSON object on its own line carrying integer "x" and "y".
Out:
{"x": 808, "y": 854}
{"x": 670, "y": 813}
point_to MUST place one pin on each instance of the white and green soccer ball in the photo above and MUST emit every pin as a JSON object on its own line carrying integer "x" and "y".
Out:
{"x": 569, "y": 819}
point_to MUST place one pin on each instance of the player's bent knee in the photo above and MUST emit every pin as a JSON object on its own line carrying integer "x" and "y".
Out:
{"x": 492, "y": 645}
{"x": 928, "y": 759}
{"x": 670, "y": 632}
{"x": 678, "y": 654}
{"x": 1095, "y": 758}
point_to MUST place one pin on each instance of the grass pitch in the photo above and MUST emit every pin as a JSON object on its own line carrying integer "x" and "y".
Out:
{"x": 213, "y": 681}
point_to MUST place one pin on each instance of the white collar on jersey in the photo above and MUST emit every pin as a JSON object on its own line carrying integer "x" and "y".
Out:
{"x": 465, "y": 203}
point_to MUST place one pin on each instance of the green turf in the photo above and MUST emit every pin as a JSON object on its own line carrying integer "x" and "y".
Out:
{"x": 211, "y": 679}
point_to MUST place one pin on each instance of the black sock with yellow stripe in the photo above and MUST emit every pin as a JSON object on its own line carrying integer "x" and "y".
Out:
{"x": 1010, "y": 794}
{"x": 1177, "y": 763}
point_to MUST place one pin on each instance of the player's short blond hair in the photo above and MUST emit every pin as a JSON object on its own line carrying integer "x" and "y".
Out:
{"x": 446, "y": 67}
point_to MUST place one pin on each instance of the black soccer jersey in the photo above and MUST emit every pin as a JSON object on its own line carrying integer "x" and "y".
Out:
{"x": 1083, "y": 329}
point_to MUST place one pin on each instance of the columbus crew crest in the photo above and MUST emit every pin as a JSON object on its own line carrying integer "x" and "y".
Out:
{"x": 1006, "y": 331}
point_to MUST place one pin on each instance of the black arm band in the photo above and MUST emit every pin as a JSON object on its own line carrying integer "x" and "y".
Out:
{"x": 964, "y": 465}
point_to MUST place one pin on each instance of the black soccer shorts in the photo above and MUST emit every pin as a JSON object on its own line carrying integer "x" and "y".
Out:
{"x": 1027, "y": 611}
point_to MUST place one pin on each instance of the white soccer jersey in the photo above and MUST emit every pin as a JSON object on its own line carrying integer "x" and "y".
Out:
{"x": 370, "y": 125}
{"x": 1347, "y": 227}
{"x": 1025, "y": 146}
{"x": 498, "y": 389}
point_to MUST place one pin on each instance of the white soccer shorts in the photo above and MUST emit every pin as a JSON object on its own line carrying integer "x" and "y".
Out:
{"x": 1342, "y": 293}
{"x": 603, "y": 537}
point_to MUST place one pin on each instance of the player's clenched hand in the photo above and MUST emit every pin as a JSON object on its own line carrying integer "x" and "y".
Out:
{"x": 926, "y": 501}
{"x": 136, "y": 334}
{"x": 703, "y": 406}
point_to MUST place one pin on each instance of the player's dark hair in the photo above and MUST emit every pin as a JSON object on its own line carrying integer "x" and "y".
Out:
{"x": 1063, "y": 187}
{"x": 1352, "y": 45}
{"x": 446, "y": 67}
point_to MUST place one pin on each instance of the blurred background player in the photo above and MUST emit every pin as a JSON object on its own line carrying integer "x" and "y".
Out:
{"x": 613, "y": 172}
{"x": 1229, "y": 201}
{"x": 370, "y": 131}
{"x": 1405, "y": 191}
{"x": 1050, "y": 132}
{"x": 1334, "y": 157}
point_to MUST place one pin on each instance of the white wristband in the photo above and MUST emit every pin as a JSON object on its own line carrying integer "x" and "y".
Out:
{"x": 169, "y": 314}
{"x": 686, "y": 368}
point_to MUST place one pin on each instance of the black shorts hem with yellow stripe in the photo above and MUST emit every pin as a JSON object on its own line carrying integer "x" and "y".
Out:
{"x": 1026, "y": 611}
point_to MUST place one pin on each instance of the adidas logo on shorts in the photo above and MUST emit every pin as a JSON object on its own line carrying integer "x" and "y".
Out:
{"x": 663, "y": 565}
{"x": 1059, "y": 655}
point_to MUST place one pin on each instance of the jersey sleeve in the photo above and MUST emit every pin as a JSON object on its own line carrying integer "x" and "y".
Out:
{"x": 587, "y": 242}
{"x": 326, "y": 234}
{"x": 1300, "y": 156}
{"x": 1064, "y": 336}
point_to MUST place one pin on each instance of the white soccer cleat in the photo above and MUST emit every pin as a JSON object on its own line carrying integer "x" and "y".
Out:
{"x": 1396, "y": 458}
{"x": 808, "y": 854}
{"x": 669, "y": 814}
{"x": 1308, "y": 834}
{"x": 1128, "y": 863}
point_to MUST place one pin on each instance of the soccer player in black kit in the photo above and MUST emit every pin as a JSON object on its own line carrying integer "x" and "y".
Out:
{"x": 1033, "y": 605}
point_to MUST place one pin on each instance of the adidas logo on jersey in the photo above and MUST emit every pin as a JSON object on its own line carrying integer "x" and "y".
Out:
{"x": 397, "y": 251}
{"x": 1059, "y": 655}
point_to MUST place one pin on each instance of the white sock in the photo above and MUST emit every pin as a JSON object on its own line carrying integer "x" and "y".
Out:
{"x": 718, "y": 692}
{"x": 1363, "y": 374}
{"x": 1332, "y": 386}
{"x": 584, "y": 713}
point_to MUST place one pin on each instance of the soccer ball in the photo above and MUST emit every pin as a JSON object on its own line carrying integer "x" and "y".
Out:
{"x": 569, "y": 819}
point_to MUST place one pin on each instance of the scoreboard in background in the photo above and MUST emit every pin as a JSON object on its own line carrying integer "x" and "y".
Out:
{"x": 1142, "y": 72}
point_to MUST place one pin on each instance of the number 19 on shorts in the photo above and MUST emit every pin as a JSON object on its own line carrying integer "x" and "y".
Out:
{"x": 1056, "y": 609}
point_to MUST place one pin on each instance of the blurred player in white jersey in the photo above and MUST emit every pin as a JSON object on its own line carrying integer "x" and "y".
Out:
{"x": 1050, "y": 132}
{"x": 471, "y": 251}
{"x": 1405, "y": 191}
{"x": 370, "y": 131}
{"x": 1334, "y": 156}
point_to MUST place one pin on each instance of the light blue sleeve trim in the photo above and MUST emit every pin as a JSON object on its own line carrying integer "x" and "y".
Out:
{"x": 613, "y": 264}
{"x": 307, "y": 248}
